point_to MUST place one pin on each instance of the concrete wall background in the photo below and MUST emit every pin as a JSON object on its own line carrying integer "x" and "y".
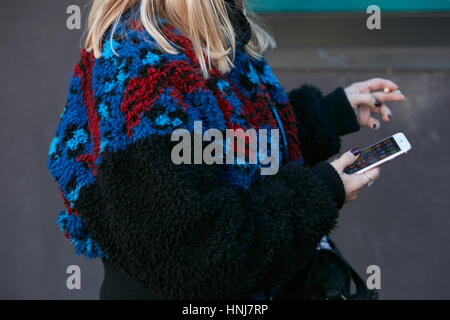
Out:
{"x": 400, "y": 224}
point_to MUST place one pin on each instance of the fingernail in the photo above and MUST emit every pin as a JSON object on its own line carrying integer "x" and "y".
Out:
{"x": 378, "y": 104}
{"x": 374, "y": 126}
{"x": 355, "y": 151}
{"x": 389, "y": 116}
{"x": 398, "y": 91}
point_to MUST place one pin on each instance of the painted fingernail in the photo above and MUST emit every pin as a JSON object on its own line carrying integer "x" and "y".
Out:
{"x": 374, "y": 126}
{"x": 389, "y": 116}
{"x": 355, "y": 151}
{"x": 378, "y": 104}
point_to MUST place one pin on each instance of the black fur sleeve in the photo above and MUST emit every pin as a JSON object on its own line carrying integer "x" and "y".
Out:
{"x": 321, "y": 121}
{"x": 183, "y": 233}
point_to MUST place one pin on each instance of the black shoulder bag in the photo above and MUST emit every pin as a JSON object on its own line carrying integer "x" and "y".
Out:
{"x": 328, "y": 277}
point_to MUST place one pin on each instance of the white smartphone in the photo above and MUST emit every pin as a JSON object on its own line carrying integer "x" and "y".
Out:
{"x": 379, "y": 153}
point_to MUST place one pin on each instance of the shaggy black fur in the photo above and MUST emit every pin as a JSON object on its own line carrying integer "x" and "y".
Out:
{"x": 321, "y": 121}
{"x": 183, "y": 234}
{"x": 241, "y": 26}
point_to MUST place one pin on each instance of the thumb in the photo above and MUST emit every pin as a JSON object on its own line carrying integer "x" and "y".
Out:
{"x": 347, "y": 159}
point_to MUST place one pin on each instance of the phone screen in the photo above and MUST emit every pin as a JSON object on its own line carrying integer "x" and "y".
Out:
{"x": 373, "y": 154}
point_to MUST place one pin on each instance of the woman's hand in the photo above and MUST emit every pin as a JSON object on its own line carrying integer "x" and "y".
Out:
{"x": 369, "y": 97}
{"x": 353, "y": 182}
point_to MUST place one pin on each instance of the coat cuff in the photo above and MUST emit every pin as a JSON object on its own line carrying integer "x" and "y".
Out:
{"x": 331, "y": 179}
{"x": 340, "y": 111}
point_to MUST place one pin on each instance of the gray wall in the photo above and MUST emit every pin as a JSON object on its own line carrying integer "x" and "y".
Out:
{"x": 400, "y": 224}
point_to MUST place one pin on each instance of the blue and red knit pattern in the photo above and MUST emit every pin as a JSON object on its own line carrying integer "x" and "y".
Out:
{"x": 134, "y": 90}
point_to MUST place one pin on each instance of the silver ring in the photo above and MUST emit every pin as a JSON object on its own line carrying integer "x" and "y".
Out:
{"x": 370, "y": 178}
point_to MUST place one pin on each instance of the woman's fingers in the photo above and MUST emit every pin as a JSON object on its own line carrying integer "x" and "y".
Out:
{"x": 361, "y": 179}
{"x": 375, "y": 99}
{"x": 373, "y": 123}
{"x": 378, "y": 84}
{"x": 363, "y": 98}
{"x": 374, "y": 173}
{"x": 373, "y": 103}
{"x": 344, "y": 161}
{"x": 353, "y": 182}
{"x": 386, "y": 113}
{"x": 371, "y": 98}
{"x": 392, "y": 96}
{"x": 365, "y": 118}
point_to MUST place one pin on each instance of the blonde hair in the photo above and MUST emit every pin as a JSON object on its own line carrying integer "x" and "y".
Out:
{"x": 204, "y": 22}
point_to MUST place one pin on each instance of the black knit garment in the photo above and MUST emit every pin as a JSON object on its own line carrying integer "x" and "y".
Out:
{"x": 239, "y": 22}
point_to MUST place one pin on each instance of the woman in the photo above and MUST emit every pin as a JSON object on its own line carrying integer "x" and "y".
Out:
{"x": 167, "y": 231}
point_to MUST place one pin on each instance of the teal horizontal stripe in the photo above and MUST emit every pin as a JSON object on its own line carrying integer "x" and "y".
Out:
{"x": 348, "y": 5}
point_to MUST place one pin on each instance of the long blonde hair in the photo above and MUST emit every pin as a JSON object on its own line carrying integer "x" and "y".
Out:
{"x": 204, "y": 22}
